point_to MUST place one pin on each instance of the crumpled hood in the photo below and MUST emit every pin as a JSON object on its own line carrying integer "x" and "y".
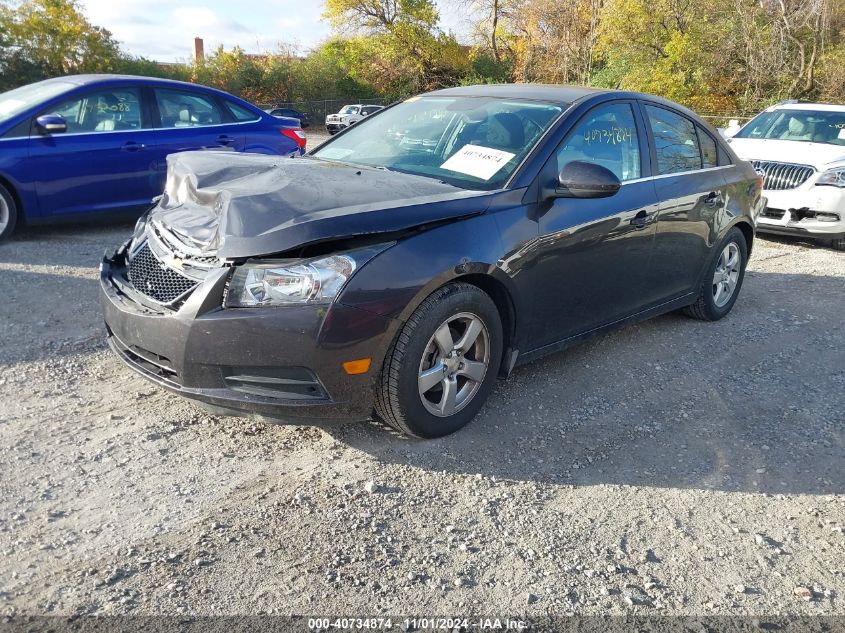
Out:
{"x": 247, "y": 205}
{"x": 818, "y": 155}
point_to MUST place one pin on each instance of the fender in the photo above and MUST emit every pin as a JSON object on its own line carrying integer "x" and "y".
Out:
{"x": 25, "y": 196}
{"x": 468, "y": 250}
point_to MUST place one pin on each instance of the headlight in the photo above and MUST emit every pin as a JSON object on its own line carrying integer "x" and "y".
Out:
{"x": 832, "y": 177}
{"x": 295, "y": 282}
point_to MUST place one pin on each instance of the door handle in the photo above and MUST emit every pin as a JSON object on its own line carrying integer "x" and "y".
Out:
{"x": 641, "y": 220}
{"x": 132, "y": 146}
{"x": 224, "y": 139}
{"x": 712, "y": 199}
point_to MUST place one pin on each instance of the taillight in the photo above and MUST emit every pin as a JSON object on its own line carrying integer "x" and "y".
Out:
{"x": 296, "y": 134}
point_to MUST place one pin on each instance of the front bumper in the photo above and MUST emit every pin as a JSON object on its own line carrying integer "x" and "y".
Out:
{"x": 798, "y": 212}
{"x": 335, "y": 126}
{"x": 284, "y": 363}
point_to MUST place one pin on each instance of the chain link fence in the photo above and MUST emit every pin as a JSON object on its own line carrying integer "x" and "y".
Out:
{"x": 722, "y": 120}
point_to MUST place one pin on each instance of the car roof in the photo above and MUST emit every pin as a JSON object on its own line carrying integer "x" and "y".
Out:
{"x": 562, "y": 95}
{"x": 821, "y": 107}
{"x": 540, "y": 92}
{"x": 107, "y": 79}
{"x": 83, "y": 80}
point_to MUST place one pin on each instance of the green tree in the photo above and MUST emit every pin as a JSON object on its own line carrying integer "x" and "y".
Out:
{"x": 378, "y": 16}
{"x": 48, "y": 38}
{"x": 666, "y": 47}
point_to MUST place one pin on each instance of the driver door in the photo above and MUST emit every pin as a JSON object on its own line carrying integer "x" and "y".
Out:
{"x": 594, "y": 256}
{"x": 102, "y": 162}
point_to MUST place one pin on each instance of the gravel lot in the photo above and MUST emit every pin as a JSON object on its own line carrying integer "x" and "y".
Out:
{"x": 316, "y": 137}
{"x": 673, "y": 467}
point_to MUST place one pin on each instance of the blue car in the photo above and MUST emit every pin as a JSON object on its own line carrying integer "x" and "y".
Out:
{"x": 97, "y": 144}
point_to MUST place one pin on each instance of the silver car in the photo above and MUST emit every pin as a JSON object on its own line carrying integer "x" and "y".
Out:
{"x": 349, "y": 115}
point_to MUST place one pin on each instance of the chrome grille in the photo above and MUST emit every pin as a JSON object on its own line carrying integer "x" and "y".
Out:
{"x": 195, "y": 265}
{"x": 780, "y": 176}
{"x": 152, "y": 278}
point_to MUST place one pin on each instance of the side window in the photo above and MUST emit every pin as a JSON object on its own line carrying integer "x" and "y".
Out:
{"x": 607, "y": 136}
{"x": 182, "y": 108}
{"x": 709, "y": 150}
{"x": 101, "y": 111}
{"x": 242, "y": 114}
{"x": 675, "y": 141}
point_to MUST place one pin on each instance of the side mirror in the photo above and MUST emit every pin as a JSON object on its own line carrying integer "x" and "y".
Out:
{"x": 51, "y": 124}
{"x": 580, "y": 179}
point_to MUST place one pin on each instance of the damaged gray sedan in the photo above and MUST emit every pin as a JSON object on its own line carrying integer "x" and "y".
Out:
{"x": 400, "y": 268}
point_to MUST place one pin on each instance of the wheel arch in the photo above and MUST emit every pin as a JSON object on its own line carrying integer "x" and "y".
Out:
{"x": 504, "y": 302}
{"x": 7, "y": 184}
{"x": 747, "y": 233}
{"x": 494, "y": 288}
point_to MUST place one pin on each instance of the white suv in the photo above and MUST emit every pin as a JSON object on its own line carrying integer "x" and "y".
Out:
{"x": 799, "y": 150}
{"x": 348, "y": 115}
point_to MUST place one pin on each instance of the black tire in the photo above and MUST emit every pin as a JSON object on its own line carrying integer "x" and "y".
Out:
{"x": 838, "y": 244}
{"x": 8, "y": 213}
{"x": 705, "y": 307}
{"x": 398, "y": 401}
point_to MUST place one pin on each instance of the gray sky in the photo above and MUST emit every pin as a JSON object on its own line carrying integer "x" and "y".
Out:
{"x": 163, "y": 30}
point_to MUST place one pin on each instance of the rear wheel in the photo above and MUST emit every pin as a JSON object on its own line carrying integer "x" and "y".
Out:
{"x": 443, "y": 364}
{"x": 723, "y": 279}
{"x": 8, "y": 213}
{"x": 838, "y": 244}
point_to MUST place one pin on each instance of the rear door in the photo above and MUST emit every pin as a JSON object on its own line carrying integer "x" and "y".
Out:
{"x": 691, "y": 186}
{"x": 102, "y": 162}
{"x": 259, "y": 135}
{"x": 188, "y": 120}
{"x": 593, "y": 261}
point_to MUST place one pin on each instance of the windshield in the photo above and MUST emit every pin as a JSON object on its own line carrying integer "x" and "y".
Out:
{"x": 809, "y": 126}
{"x": 348, "y": 110}
{"x": 13, "y": 102}
{"x": 470, "y": 142}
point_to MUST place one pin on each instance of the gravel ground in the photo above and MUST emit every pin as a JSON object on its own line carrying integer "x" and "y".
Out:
{"x": 316, "y": 137}
{"x": 673, "y": 467}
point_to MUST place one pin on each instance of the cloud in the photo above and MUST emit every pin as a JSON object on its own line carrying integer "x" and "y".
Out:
{"x": 164, "y": 31}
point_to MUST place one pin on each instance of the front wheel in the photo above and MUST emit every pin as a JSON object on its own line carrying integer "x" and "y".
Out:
{"x": 443, "y": 364}
{"x": 8, "y": 213}
{"x": 722, "y": 280}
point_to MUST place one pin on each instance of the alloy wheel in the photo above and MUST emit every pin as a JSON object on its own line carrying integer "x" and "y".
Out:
{"x": 4, "y": 214}
{"x": 454, "y": 364}
{"x": 726, "y": 275}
